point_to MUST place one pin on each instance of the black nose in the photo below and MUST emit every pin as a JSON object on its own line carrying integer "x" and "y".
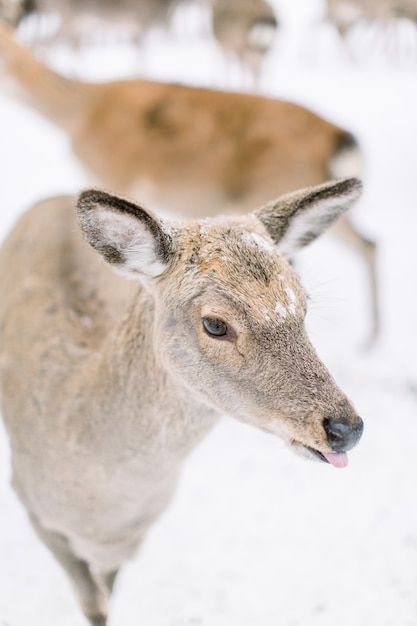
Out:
{"x": 342, "y": 435}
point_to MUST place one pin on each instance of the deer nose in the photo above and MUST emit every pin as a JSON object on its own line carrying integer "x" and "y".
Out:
{"x": 342, "y": 435}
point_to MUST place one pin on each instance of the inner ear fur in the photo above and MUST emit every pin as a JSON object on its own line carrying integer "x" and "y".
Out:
{"x": 127, "y": 235}
{"x": 296, "y": 219}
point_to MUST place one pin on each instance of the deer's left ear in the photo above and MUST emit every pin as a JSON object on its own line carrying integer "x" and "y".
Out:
{"x": 129, "y": 237}
{"x": 296, "y": 219}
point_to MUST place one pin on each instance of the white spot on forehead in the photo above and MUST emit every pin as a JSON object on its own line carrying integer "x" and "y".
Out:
{"x": 292, "y": 299}
{"x": 280, "y": 309}
{"x": 259, "y": 240}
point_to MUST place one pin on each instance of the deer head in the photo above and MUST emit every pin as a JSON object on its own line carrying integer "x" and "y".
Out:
{"x": 229, "y": 310}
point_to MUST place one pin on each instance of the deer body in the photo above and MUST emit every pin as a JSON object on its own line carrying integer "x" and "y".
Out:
{"x": 79, "y": 303}
{"x": 107, "y": 384}
{"x": 184, "y": 148}
{"x": 197, "y": 149}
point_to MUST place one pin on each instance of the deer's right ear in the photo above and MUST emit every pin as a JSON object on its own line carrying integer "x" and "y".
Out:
{"x": 296, "y": 219}
{"x": 130, "y": 238}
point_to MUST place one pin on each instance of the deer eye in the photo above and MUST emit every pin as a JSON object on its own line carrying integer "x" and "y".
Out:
{"x": 215, "y": 327}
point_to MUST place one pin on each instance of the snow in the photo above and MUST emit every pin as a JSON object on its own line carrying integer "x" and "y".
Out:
{"x": 256, "y": 535}
{"x": 292, "y": 298}
{"x": 280, "y": 308}
{"x": 258, "y": 240}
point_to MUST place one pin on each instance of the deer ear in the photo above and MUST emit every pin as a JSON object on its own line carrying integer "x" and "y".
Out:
{"x": 130, "y": 238}
{"x": 296, "y": 219}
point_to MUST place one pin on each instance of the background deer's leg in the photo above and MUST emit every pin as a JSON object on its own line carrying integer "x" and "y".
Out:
{"x": 347, "y": 232}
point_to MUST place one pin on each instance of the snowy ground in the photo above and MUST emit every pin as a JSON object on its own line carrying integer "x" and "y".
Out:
{"x": 256, "y": 535}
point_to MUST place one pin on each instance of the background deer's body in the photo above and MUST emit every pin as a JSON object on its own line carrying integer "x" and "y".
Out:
{"x": 183, "y": 148}
{"x": 194, "y": 149}
{"x": 107, "y": 385}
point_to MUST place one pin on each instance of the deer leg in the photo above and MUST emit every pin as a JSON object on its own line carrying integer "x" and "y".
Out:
{"x": 99, "y": 620}
{"x": 108, "y": 580}
{"x": 93, "y": 596}
{"x": 346, "y": 232}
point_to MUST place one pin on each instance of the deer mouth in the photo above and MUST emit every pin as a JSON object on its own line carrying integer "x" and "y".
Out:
{"x": 337, "y": 459}
{"x": 317, "y": 454}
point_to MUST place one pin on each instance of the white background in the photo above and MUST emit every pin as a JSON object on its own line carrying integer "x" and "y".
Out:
{"x": 255, "y": 535}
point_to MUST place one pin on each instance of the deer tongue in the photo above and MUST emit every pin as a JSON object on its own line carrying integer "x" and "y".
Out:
{"x": 337, "y": 459}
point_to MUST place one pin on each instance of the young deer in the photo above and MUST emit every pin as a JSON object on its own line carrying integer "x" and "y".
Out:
{"x": 107, "y": 384}
{"x": 190, "y": 150}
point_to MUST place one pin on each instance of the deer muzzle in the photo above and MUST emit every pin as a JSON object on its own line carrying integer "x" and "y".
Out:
{"x": 341, "y": 434}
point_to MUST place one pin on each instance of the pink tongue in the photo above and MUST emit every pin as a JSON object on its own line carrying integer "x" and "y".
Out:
{"x": 337, "y": 459}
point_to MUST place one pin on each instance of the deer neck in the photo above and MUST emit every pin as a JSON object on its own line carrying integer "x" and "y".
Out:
{"x": 132, "y": 403}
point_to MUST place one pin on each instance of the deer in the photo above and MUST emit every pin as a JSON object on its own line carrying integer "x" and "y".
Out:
{"x": 107, "y": 384}
{"x": 190, "y": 150}
{"x": 245, "y": 29}
{"x": 75, "y": 17}
{"x": 14, "y": 11}
{"x": 346, "y": 13}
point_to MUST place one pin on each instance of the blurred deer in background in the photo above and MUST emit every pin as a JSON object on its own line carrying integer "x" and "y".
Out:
{"x": 245, "y": 29}
{"x": 190, "y": 150}
{"x": 345, "y": 14}
{"x": 107, "y": 384}
{"x": 80, "y": 20}
{"x": 14, "y": 11}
